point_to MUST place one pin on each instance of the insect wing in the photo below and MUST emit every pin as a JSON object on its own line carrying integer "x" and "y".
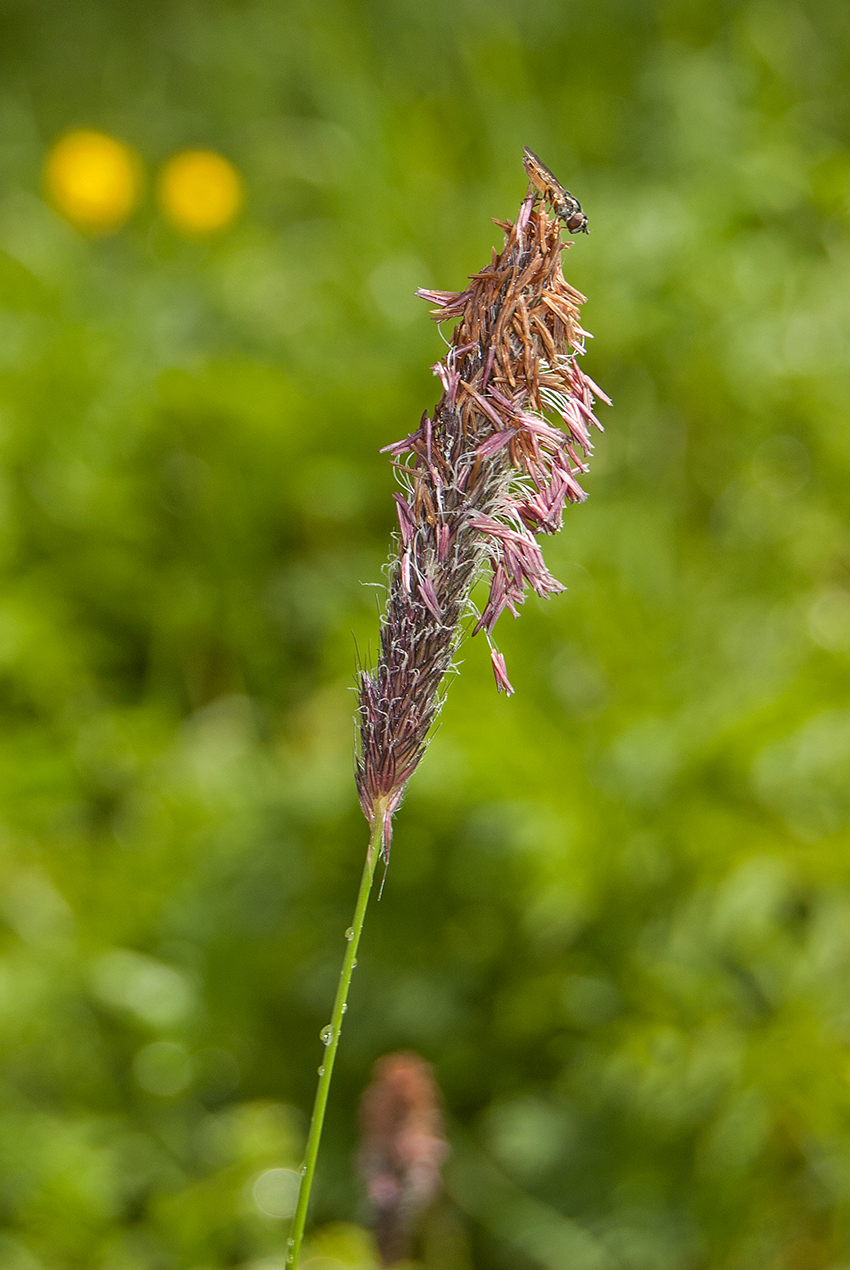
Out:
{"x": 539, "y": 175}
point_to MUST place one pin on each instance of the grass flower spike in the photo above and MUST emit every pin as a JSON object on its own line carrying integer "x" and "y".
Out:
{"x": 481, "y": 479}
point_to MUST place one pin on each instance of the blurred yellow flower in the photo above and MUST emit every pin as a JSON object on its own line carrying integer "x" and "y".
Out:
{"x": 200, "y": 191}
{"x": 93, "y": 179}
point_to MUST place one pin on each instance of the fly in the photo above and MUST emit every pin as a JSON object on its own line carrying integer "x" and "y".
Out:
{"x": 565, "y": 207}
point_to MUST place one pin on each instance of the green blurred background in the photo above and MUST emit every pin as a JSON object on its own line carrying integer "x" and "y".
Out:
{"x": 617, "y": 918}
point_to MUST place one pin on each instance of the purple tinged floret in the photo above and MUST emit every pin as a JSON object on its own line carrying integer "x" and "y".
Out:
{"x": 500, "y": 670}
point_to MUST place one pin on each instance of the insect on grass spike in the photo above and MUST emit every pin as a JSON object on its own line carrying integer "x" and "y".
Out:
{"x": 564, "y": 204}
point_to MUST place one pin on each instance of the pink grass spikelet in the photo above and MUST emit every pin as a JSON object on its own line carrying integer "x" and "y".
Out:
{"x": 489, "y": 470}
{"x": 500, "y": 670}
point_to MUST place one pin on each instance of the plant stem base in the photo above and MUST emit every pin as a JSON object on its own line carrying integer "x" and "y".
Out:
{"x": 330, "y": 1036}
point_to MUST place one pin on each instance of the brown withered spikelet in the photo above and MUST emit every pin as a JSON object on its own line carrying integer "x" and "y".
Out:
{"x": 402, "y": 1149}
{"x": 480, "y": 480}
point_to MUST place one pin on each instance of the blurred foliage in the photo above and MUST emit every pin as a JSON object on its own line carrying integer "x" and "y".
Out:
{"x": 617, "y": 917}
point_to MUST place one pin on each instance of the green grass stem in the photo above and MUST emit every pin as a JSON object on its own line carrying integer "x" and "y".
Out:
{"x": 317, "y": 1120}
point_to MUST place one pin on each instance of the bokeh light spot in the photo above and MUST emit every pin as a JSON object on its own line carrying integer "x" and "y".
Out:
{"x": 276, "y": 1192}
{"x": 94, "y": 180}
{"x": 200, "y": 191}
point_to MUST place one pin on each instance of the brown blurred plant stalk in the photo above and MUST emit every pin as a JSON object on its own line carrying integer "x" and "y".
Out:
{"x": 480, "y": 481}
{"x": 402, "y": 1149}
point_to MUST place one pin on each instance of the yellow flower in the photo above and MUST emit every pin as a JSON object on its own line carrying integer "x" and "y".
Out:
{"x": 200, "y": 191}
{"x": 93, "y": 180}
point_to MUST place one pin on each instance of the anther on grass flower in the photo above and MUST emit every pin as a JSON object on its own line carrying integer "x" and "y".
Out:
{"x": 480, "y": 480}
{"x": 402, "y": 1149}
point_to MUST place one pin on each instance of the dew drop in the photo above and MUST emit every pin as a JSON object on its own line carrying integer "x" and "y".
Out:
{"x": 349, "y": 934}
{"x": 303, "y": 1172}
{"x": 321, "y": 1071}
{"x": 344, "y": 1006}
{"x": 327, "y": 1034}
{"x": 290, "y": 1243}
{"x": 354, "y": 963}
